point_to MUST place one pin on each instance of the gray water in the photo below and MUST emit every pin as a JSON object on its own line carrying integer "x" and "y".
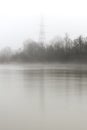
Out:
{"x": 43, "y": 97}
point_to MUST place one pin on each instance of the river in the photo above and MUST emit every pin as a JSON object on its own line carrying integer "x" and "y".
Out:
{"x": 43, "y": 97}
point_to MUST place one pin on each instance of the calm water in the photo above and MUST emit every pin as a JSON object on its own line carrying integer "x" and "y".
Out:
{"x": 43, "y": 97}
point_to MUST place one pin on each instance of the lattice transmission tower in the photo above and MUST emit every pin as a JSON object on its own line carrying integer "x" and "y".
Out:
{"x": 42, "y": 38}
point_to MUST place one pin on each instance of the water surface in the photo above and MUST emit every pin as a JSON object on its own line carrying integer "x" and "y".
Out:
{"x": 43, "y": 97}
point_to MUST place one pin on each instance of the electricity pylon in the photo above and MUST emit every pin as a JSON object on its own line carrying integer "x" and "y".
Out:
{"x": 42, "y": 32}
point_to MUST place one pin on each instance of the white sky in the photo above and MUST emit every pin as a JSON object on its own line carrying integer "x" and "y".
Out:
{"x": 20, "y": 19}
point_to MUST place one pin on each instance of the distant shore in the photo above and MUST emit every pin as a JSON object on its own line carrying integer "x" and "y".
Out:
{"x": 58, "y": 51}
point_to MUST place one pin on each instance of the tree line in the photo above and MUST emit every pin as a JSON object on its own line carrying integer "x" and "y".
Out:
{"x": 58, "y": 50}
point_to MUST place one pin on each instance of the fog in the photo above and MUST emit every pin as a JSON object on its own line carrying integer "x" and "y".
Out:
{"x": 20, "y": 20}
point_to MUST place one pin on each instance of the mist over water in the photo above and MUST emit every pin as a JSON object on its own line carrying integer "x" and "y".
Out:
{"x": 43, "y": 65}
{"x": 43, "y": 96}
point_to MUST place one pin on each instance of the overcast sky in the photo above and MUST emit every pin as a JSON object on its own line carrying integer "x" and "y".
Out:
{"x": 20, "y": 19}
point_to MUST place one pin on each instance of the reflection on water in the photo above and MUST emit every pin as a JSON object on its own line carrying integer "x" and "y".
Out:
{"x": 43, "y": 97}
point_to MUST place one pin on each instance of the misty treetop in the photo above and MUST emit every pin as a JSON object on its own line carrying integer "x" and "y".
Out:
{"x": 59, "y": 50}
